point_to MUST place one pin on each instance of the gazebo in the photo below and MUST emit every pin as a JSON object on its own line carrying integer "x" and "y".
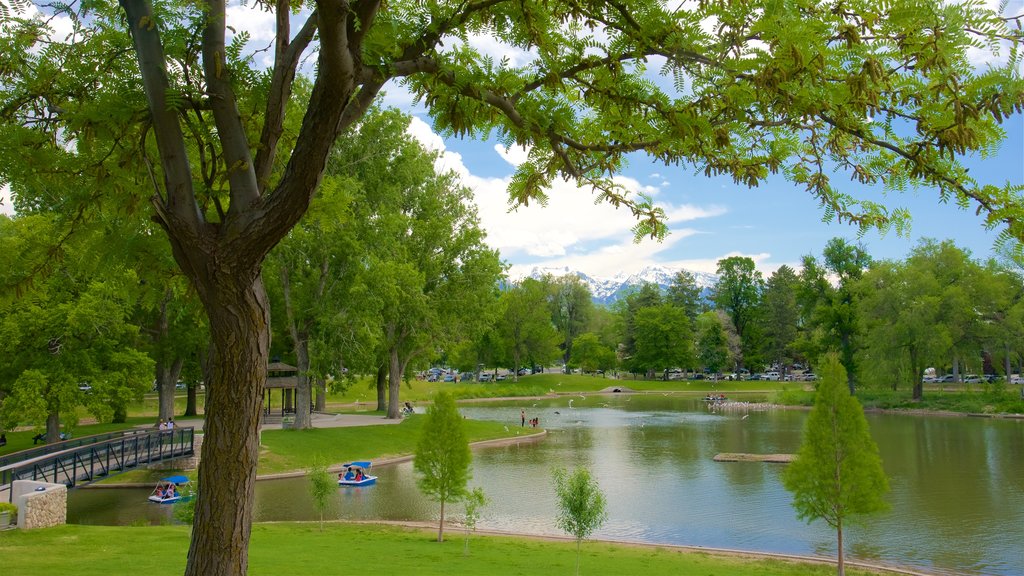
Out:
{"x": 283, "y": 377}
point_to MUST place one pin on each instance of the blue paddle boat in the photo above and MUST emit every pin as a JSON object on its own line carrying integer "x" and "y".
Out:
{"x": 355, "y": 474}
{"x": 171, "y": 489}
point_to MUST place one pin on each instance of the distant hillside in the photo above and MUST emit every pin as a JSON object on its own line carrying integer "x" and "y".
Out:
{"x": 608, "y": 290}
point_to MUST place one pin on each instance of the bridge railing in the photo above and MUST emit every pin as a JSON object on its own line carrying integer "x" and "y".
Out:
{"x": 31, "y": 453}
{"x": 90, "y": 462}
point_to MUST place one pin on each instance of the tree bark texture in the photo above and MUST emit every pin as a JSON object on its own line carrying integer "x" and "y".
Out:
{"x": 394, "y": 383}
{"x": 239, "y": 318}
{"x": 321, "y": 395}
{"x": 191, "y": 402}
{"x": 382, "y": 390}
{"x": 52, "y": 426}
{"x": 166, "y": 380}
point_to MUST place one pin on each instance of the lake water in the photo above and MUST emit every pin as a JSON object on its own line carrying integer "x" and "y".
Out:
{"x": 957, "y": 484}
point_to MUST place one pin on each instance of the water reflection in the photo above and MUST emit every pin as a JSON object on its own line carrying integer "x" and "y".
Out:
{"x": 957, "y": 483}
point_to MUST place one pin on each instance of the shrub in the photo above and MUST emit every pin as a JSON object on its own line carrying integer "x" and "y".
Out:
{"x": 8, "y": 507}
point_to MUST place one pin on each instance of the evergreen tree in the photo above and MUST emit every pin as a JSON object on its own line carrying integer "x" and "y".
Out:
{"x": 442, "y": 455}
{"x": 838, "y": 472}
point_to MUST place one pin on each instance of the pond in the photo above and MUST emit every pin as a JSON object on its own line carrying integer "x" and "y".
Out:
{"x": 957, "y": 484}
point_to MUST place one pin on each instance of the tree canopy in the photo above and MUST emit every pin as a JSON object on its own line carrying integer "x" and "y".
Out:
{"x": 158, "y": 95}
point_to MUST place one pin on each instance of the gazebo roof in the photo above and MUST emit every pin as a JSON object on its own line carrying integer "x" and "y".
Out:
{"x": 281, "y": 367}
{"x": 281, "y": 375}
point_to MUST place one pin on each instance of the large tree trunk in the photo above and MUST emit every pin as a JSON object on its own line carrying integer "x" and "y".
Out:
{"x": 321, "y": 395}
{"x": 382, "y": 388}
{"x": 394, "y": 383}
{"x": 303, "y": 394}
{"x": 166, "y": 378}
{"x": 1006, "y": 362}
{"x": 239, "y": 318}
{"x": 191, "y": 401}
{"x": 300, "y": 344}
{"x": 52, "y": 426}
{"x": 918, "y": 374}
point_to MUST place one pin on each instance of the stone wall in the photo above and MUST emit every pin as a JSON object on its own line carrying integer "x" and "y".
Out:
{"x": 40, "y": 504}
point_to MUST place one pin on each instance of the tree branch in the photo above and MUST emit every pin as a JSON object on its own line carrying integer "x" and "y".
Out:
{"x": 286, "y": 59}
{"x": 180, "y": 201}
{"x": 237, "y": 157}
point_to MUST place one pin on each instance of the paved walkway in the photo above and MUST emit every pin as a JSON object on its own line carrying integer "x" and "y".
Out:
{"x": 320, "y": 420}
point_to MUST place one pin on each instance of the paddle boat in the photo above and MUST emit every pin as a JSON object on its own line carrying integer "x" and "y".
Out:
{"x": 355, "y": 474}
{"x": 171, "y": 489}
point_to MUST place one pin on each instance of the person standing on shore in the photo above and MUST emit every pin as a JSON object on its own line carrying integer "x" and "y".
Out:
{"x": 522, "y": 417}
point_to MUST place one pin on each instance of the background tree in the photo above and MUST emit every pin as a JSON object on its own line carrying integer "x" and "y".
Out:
{"x": 780, "y": 315}
{"x": 647, "y": 295}
{"x": 684, "y": 293}
{"x": 191, "y": 117}
{"x": 474, "y": 501}
{"x": 901, "y": 306}
{"x": 581, "y": 505}
{"x": 663, "y": 339}
{"x": 70, "y": 328}
{"x": 526, "y": 324}
{"x": 308, "y": 287}
{"x": 712, "y": 343}
{"x": 442, "y": 455}
{"x": 837, "y": 474}
{"x": 829, "y": 302}
{"x": 738, "y": 294}
{"x": 571, "y": 306}
{"x": 590, "y": 355}
{"x": 321, "y": 487}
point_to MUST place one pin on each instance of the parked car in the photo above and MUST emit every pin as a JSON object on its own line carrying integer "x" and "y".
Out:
{"x": 466, "y": 377}
{"x": 973, "y": 379}
{"x": 772, "y": 376}
{"x": 810, "y": 376}
{"x": 946, "y": 378}
{"x": 485, "y": 377}
{"x": 449, "y": 378}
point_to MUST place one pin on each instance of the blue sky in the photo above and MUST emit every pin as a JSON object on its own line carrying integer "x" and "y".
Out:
{"x": 709, "y": 218}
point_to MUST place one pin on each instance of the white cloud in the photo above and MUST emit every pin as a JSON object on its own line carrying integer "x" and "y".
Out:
{"x": 569, "y": 223}
{"x": 260, "y": 24}
{"x": 491, "y": 46}
{"x": 623, "y": 256}
{"x": 6, "y": 207}
{"x": 514, "y": 155}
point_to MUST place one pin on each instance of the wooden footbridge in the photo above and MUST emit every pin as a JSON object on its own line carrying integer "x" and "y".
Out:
{"x": 91, "y": 458}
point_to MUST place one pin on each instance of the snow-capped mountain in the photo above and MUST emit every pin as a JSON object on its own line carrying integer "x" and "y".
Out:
{"x": 608, "y": 290}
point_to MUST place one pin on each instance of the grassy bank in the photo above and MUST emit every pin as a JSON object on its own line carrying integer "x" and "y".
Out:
{"x": 978, "y": 400}
{"x": 301, "y": 549}
{"x": 289, "y": 450}
{"x": 294, "y": 450}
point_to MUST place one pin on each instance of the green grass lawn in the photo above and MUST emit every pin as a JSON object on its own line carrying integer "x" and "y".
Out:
{"x": 301, "y": 549}
{"x": 293, "y": 450}
{"x": 977, "y": 400}
{"x": 289, "y": 450}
